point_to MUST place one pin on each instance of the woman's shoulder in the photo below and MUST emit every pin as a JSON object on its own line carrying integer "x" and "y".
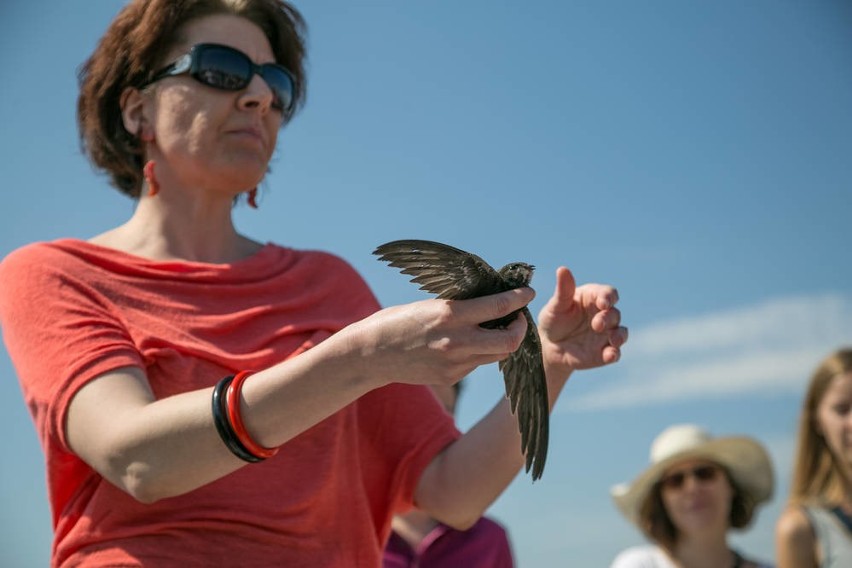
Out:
{"x": 38, "y": 256}
{"x": 794, "y": 524}
{"x": 32, "y": 252}
{"x": 59, "y": 252}
{"x": 796, "y": 537}
{"x": 30, "y": 276}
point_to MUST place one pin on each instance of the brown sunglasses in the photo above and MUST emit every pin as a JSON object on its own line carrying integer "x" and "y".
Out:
{"x": 701, "y": 473}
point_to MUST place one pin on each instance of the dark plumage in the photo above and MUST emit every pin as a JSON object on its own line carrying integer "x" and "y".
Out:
{"x": 454, "y": 274}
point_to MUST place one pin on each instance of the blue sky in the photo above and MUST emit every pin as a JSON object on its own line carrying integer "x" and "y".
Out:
{"x": 694, "y": 154}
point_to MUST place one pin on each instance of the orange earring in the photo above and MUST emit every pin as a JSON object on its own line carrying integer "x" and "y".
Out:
{"x": 153, "y": 185}
{"x": 144, "y": 134}
{"x": 252, "y": 198}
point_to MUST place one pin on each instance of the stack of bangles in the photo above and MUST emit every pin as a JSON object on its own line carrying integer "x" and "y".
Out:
{"x": 229, "y": 422}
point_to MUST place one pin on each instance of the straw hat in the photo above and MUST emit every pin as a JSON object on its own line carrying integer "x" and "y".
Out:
{"x": 744, "y": 458}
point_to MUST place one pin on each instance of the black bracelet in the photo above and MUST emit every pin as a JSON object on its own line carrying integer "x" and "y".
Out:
{"x": 223, "y": 425}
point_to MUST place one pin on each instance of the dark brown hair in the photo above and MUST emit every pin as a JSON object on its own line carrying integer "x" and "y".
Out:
{"x": 658, "y": 526}
{"x": 132, "y": 50}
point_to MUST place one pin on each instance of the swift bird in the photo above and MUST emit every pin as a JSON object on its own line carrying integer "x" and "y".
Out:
{"x": 454, "y": 274}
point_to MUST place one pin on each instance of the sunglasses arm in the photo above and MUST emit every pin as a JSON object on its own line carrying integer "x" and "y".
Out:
{"x": 182, "y": 65}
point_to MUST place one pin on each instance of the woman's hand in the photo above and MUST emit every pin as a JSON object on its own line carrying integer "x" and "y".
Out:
{"x": 580, "y": 327}
{"x": 437, "y": 341}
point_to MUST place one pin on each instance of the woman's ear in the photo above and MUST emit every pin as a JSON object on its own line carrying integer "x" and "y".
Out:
{"x": 134, "y": 106}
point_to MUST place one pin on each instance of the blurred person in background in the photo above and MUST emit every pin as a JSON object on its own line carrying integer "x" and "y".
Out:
{"x": 815, "y": 529}
{"x": 695, "y": 491}
{"x": 418, "y": 540}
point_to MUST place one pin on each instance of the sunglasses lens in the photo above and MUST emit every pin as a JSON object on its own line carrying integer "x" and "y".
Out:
{"x": 705, "y": 473}
{"x": 701, "y": 473}
{"x": 675, "y": 480}
{"x": 222, "y": 68}
{"x": 281, "y": 84}
{"x": 225, "y": 68}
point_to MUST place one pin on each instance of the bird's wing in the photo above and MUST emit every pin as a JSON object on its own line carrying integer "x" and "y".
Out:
{"x": 526, "y": 388}
{"x": 454, "y": 274}
{"x": 451, "y": 273}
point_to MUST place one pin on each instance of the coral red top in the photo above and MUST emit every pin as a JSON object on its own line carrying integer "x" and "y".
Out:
{"x": 71, "y": 311}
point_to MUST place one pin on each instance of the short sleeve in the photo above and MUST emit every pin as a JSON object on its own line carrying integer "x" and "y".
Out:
{"x": 59, "y": 330}
{"x": 403, "y": 428}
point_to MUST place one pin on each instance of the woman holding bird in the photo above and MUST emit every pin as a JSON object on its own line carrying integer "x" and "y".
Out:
{"x": 204, "y": 398}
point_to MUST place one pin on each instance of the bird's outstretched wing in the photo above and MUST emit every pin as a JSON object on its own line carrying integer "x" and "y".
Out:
{"x": 526, "y": 388}
{"x": 454, "y": 274}
{"x": 451, "y": 273}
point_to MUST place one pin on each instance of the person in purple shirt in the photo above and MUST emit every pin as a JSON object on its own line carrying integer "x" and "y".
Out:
{"x": 418, "y": 540}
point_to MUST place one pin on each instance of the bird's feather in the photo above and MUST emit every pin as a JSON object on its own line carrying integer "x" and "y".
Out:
{"x": 454, "y": 274}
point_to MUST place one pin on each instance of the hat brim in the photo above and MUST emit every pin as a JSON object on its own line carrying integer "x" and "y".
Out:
{"x": 744, "y": 459}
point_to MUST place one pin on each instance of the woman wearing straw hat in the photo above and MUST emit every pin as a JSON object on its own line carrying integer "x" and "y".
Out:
{"x": 696, "y": 489}
{"x": 816, "y": 528}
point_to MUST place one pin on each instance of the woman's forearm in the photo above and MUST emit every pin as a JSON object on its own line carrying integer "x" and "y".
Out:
{"x": 162, "y": 448}
{"x": 468, "y": 476}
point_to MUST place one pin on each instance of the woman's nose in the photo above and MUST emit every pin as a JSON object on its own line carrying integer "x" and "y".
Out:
{"x": 257, "y": 94}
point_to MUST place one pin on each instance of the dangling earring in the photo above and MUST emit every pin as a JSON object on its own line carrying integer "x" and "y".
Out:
{"x": 252, "y": 198}
{"x": 148, "y": 172}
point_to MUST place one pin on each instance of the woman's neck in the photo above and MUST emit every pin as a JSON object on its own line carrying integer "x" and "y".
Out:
{"x": 198, "y": 233}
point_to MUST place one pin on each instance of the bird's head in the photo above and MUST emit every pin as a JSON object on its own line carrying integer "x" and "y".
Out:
{"x": 517, "y": 273}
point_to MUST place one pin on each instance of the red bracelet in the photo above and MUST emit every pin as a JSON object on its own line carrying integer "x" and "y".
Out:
{"x": 232, "y": 398}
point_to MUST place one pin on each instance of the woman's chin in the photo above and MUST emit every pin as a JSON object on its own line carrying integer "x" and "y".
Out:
{"x": 242, "y": 179}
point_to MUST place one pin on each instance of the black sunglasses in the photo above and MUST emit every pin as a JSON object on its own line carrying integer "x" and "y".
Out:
{"x": 223, "y": 67}
{"x": 701, "y": 473}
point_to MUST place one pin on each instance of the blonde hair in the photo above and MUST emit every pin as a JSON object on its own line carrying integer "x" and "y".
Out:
{"x": 818, "y": 477}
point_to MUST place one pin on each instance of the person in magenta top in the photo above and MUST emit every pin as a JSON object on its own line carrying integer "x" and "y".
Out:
{"x": 418, "y": 540}
{"x": 206, "y": 399}
{"x": 484, "y": 545}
